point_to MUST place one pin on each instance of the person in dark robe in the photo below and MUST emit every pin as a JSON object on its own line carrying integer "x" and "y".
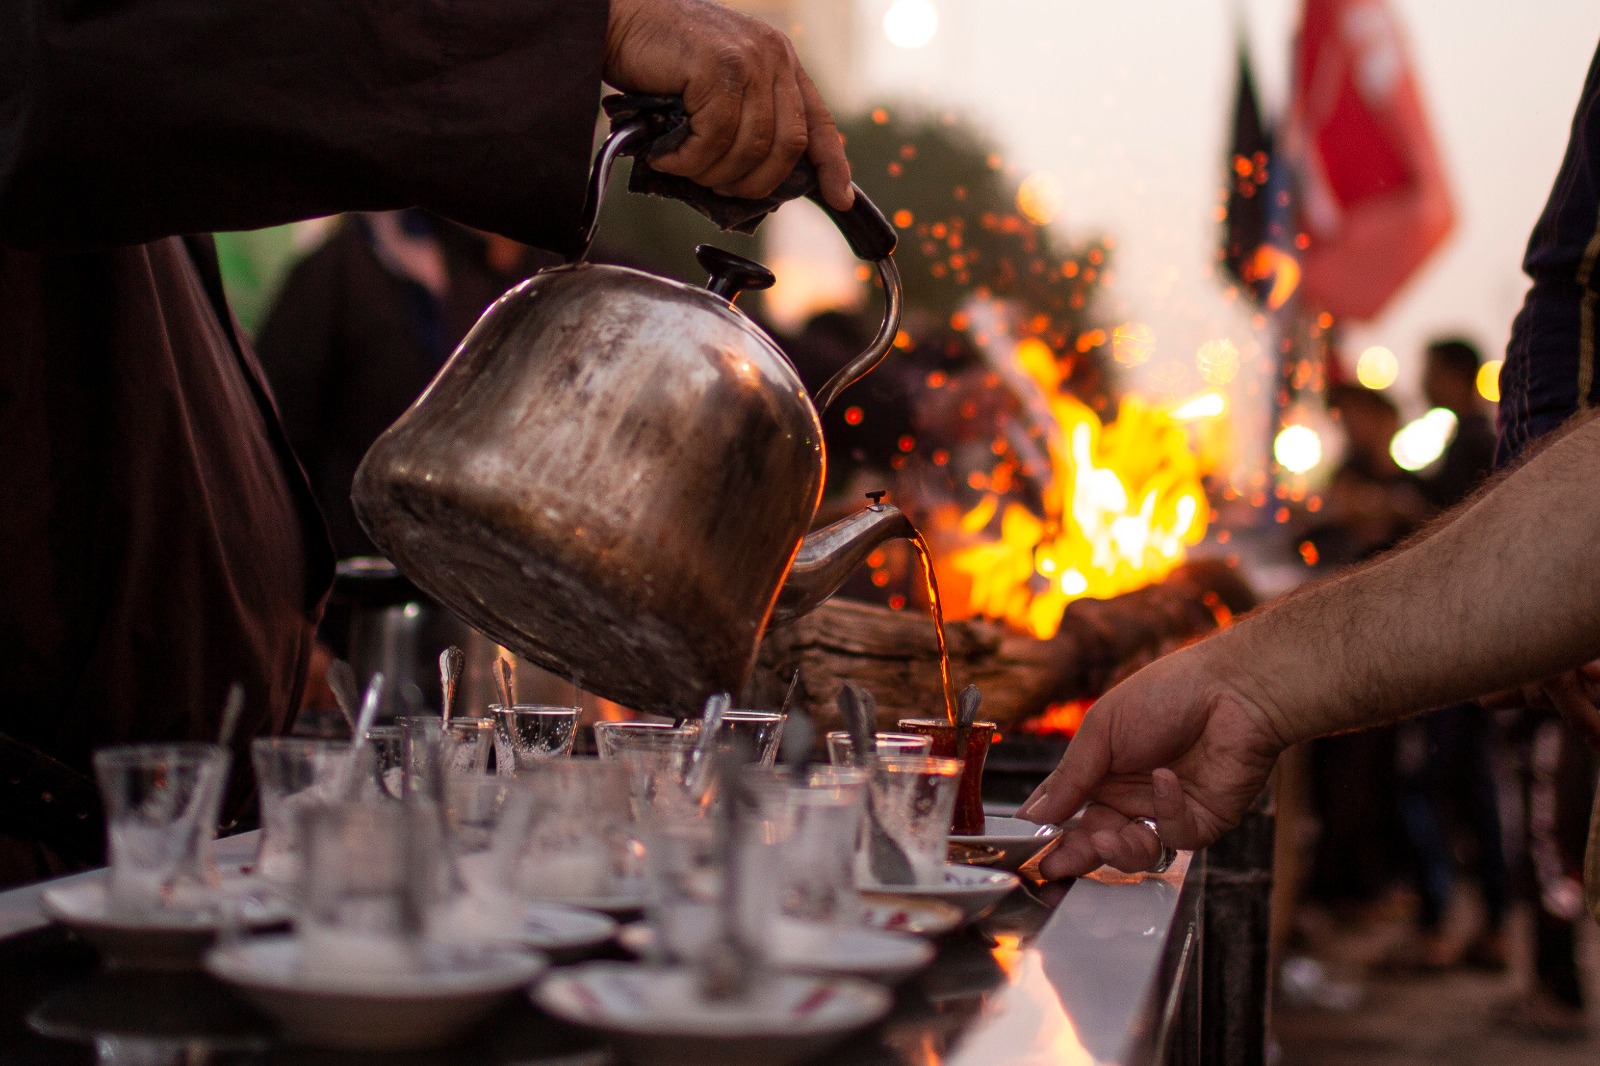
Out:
{"x": 159, "y": 537}
{"x": 359, "y": 328}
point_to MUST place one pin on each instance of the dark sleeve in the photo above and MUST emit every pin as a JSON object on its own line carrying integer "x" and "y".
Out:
{"x": 124, "y": 122}
{"x": 1549, "y": 373}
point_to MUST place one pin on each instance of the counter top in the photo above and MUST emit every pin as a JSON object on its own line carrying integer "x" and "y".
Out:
{"x": 1080, "y": 972}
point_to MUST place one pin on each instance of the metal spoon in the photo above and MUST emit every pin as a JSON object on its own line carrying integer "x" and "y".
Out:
{"x": 346, "y": 691}
{"x": 699, "y": 777}
{"x": 885, "y": 857}
{"x": 230, "y": 714}
{"x": 966, "y": 713}
{"x": 505, "y": 676}
{"x": 799, "y": 733}
{"x": 369, "y": 711}
{"x": 451, "y": 662}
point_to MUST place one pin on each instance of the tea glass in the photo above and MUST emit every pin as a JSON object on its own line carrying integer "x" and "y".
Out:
{"x": 527, "y": 733}
{"x": 842, "y": 747}
{"x": 659, "y": 761}
{"x": 913, "y": 797}
{"x": 292, "y": 773}
{"x": 565, "y": 834}
{"x": 968, "y": 818}
{"x": 817, "y": 821}
{"x": 686, "y": 883}
{"x": 610, "y": 737}
{"x": 761, "y": 732}
{"x": 465, "y": 748}
{"x": 162, "y": 803}
{"x": 372, "y": 878}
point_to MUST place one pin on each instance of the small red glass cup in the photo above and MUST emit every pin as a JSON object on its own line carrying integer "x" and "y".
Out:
{"x": 968, "y": 820}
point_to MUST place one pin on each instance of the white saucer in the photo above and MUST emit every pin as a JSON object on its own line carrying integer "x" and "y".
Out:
{"x": 919, "y": 917}
{"x": 384, "y": 1012}
{"x": 973, "y": 889}
{"x": 1017, "y": 839}
{"x": 169, "y": 939}
{"x": 562, "y": 931}
{"x": 657, "y": 1018}
{"x": 823, "y": 950}
{"x": 626, "y": 902}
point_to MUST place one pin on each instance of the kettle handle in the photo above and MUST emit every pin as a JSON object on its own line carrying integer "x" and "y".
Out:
{"x": 863, "y": 226}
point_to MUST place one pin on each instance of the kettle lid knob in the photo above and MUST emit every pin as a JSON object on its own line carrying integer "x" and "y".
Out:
{"x": 730, "y": 273}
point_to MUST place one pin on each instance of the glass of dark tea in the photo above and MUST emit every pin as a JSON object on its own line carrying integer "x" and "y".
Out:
{"x": 968, "y": 819}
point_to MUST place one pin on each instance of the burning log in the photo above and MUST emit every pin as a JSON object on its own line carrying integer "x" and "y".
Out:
{"x": 894, "y": 655}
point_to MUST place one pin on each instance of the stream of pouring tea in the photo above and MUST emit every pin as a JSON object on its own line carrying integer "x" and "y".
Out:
{"x": 932, "y": 584}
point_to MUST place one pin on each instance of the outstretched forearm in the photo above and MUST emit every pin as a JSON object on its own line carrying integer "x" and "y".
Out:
{"x": 1506, "y": 591}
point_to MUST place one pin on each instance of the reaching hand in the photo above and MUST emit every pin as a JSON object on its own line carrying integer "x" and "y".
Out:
{"x": 753, "y": 112}
{"x": 1175, "y": 742}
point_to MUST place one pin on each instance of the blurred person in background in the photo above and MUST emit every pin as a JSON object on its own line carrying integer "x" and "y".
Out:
{"x": 1446, "y": 759}
{"x": 1450, "y": 380}
{"x": 1361, "y": 851}
{"x": 360, "y": 327}
{"x": 1371, "y": 504}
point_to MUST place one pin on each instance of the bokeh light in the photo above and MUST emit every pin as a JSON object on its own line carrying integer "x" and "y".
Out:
{"x": 911, "y": 23}
{"x": 1218, "y": 361}
{"x": 1377, "y": 368}
{"x": 1205, "y": 405}
{"x": 1421, "y": 442}
{"x": 1297, "y": 448}
{"x": 1489, "y": 380}
{"x": 1039, "y": 197}
{"x": 1132, "y": 343}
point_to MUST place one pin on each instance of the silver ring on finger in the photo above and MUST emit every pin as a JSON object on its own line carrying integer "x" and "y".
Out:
{"x": 1168, "y": 854}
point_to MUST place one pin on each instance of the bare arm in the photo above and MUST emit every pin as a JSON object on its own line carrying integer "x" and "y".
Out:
{"x": 1505, "y": 592}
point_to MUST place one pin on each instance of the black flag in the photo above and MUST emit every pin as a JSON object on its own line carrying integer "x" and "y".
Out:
{"x": 1248, "y": 225}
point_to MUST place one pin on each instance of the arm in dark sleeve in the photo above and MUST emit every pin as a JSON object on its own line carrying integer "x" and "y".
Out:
{"x": 124, "y": 122}
{"x": 1549, "y": 373}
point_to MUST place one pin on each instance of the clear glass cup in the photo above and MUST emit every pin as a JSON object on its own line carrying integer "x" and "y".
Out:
{"x": 465, "y": 747}
{"x": 372, "y": 878}
{"x": 659, "y": 761}
{"x": 760, "y": 731}
{"x": 685, "y": 887}
{"x": 842, "y": 749}
{"x": 817, "y": 821}
{"x": 386, "y": 743}
{"x": 291, "y": 773}
{"x": 968, "y": 818}
{"x": 913, "y": 797}
{"x": 610, "y": 737}
{"x": 162, "y": 803}
{"x": 529, "y": 732}
{"x": 565, "y": 833}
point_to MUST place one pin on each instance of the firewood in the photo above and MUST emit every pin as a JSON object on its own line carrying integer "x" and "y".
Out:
{"x": 895, "y": 656}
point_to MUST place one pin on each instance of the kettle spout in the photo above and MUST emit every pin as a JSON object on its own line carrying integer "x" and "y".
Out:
{"x": 828, "y": 556}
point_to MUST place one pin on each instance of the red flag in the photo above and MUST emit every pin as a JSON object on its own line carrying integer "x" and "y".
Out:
{"x": 1372, "y": 196}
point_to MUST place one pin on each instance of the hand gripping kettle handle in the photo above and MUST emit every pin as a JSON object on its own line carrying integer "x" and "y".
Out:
{"x": 864, "y": 227}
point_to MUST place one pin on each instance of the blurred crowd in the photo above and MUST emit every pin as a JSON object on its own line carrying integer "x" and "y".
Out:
{"x": 1413, "y": 840}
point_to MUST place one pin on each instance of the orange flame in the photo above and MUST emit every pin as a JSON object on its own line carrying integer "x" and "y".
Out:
{"x": 1062, "y": 718}
{"x": 1122, "y": 504}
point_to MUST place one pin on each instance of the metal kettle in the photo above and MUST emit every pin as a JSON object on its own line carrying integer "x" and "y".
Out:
{"x": 614, "y": 472}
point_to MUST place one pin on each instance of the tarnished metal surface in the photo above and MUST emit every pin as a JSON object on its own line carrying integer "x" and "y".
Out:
{"x": 610, "y": 476}
{"x": 828, "y": 556}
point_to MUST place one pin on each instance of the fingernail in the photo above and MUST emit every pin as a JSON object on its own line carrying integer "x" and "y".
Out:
{"x": 1163, "y": 785}
{"x": 1105, "y": 841}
